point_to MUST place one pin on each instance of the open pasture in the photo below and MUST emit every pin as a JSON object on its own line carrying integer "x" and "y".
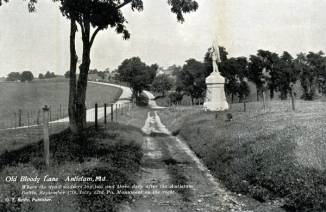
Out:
{"x": 31, "y": 97}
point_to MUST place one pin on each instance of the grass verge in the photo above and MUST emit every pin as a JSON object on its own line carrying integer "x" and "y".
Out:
{"x": 264, "y": 155}
{"x": 113, "y": 154}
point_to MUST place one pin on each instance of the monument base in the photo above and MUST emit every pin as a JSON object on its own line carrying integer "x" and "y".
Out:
{"x": 215, "y": 95}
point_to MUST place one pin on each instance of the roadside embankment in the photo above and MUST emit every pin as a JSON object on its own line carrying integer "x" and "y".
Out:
{"x": 263, "y": 155}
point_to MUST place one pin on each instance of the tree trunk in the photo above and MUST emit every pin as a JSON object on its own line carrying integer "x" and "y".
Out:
{"x": 72, "y": 80}
{"x": 82, "y": 80}
{"x": 264, "y": 101}
{"x": 292, "y": 99}
{"x": 257, "y": 92}
{"x": 77, "y": 90}
{"x": 271, "y": 90}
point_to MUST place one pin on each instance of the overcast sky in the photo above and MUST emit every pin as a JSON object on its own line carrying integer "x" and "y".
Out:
{"x": 39, "y": 41}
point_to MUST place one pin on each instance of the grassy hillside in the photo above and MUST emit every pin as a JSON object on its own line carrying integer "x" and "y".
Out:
{"x": 31, "y": 97}
{"x": 268, "y": 155}
{"x": 113, "y": 154}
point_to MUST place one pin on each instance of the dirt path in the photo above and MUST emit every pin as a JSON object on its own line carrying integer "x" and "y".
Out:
{"x": 176, "y": 180}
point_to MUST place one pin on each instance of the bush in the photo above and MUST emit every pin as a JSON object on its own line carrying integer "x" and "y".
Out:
{"x": 142, "y": 101}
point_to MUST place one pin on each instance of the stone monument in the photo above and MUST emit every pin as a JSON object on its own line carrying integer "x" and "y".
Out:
{"x": 215, "y": 95}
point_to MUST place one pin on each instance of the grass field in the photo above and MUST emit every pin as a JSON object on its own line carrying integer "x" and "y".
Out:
{"x": 268, "y": 155}
{"x": 31, "y": 97}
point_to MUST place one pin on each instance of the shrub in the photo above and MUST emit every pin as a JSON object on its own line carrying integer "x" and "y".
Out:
{"x": 142, "y": 100}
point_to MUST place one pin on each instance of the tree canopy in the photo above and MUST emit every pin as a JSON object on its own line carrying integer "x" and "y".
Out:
{"x": 26, "y": 76}
{"x": 137, "y": 74}
{"x": 161, "y": 84}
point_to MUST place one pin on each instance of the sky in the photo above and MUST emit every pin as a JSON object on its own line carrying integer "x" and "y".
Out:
{"x": 40, "y": 41}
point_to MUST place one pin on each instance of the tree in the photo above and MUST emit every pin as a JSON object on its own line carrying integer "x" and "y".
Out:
{"x": 161, "y": 84}
{"x": 255, "y": 73}
{"x": 26, "y": 76}
{"x": 98, "y": 15}
{"x": 13, "y": 76}
{"x": 286, "y": 75}
{"x": 137, "y": 74}
{"x": 41, "y": 76}
{"x": 235, "y": 70}
{"x": 49, "y": 75}
{"x": 191, "y": 80}
{"x": 311, "y": 67}
{"x": 67, "y": 74}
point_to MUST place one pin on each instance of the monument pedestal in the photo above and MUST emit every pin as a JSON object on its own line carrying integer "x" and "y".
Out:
{"x": 215, "y": 94}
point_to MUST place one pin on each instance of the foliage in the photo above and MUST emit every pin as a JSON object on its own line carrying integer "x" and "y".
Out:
{"x": 161, "y": 84}
{"x": 101, "y": 74}
{"x": 287, "y": 75}
{"x": 67, "y": 74}
{"x": 235, "y": 71}
{"x": 137, "y": 74}
{"x": 191, "y": 79}
{"x": 312, "y": 68}
{"x": 49, "y": 75}
{"x": 142, "y": 100}
{"x": 13, "y": 76}
{"x": 31, "y": 4}
{"x": 100, "y": 15}
{"x": 262, "y": 71}
{"x": 26, "y": 76}
{"x": 175, "y": 97}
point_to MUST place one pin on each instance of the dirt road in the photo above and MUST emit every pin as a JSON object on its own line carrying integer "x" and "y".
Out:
{"x": 174, "y": 179}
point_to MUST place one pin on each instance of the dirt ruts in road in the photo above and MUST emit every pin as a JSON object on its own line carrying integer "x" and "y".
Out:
{"x": 178, "y": 179}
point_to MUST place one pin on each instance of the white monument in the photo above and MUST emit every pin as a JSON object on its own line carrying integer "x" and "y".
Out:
{"x": 215, "y": 94}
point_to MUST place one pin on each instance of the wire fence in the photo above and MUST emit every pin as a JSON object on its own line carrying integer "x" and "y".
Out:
{"x": 23, "y": 118}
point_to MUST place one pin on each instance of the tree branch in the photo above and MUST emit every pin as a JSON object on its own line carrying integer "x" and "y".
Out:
{"x": 80, "y": 21}
{"x": 123, "y": 4}
{"x": 94, "y": 35}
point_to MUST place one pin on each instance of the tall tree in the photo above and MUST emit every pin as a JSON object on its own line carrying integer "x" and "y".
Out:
{"x": 95, "y": 16}
{"x": 269, "y": 61}
{"x": 286, "y": 75}
{"x": 191, "y": 79}
{"x": 311, "y": 66}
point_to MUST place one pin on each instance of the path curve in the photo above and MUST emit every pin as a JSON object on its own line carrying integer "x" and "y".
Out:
{"x": 125, "y": 97}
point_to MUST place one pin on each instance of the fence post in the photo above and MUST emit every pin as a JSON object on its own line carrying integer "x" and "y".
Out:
{"x": 112, "y": 112}
{"x": 27, "y": 119}
{"x": 38, "y": 117}
{"x": 50, "y": 119}
{"x": 96, "y": 116}
{"x": 19, "y": 118}
{"x": 244, "y": 106}
{"x": 116, "y": 112}
{"x": 60, "y": 112}
{"x": 105, "y": 113}
{"x": 15, "y": 120}
{"x": 46, "y": 141}
{"x": 121, "y": 108}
